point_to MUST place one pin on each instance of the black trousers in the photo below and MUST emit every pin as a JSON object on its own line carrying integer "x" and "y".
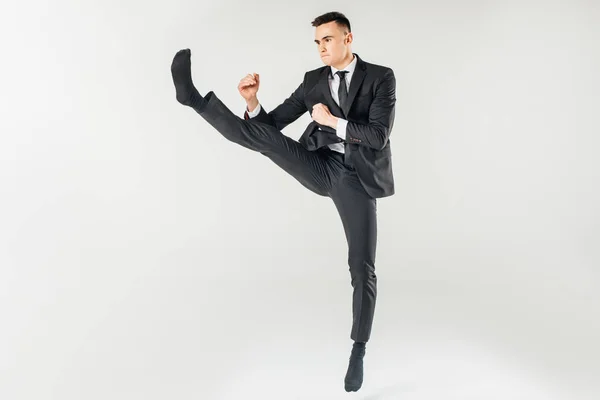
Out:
{"x": 325, "y": 173}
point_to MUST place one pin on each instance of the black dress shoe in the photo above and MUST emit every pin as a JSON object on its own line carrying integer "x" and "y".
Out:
{"x": 354, "y": 375}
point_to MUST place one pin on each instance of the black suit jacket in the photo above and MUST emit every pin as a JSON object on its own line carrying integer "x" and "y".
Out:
{"x": 370, "y": 112}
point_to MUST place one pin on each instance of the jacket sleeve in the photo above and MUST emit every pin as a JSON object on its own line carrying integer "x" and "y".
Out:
{"x": 375, "y": 134}
{"x": 284, "y": 114}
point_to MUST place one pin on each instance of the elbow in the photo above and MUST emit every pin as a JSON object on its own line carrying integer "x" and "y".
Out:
{"x": 382, "y": 139}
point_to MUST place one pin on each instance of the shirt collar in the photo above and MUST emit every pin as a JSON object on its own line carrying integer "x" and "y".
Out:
{"x": 350, "y": 67}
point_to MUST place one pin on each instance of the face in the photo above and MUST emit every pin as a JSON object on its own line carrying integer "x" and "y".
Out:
{"x": 333, "y": 45}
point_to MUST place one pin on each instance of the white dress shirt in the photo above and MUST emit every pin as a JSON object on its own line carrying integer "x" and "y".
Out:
{"x": 334, "y": 84}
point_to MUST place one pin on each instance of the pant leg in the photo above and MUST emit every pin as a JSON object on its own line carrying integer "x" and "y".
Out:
{"x": 358, "y": 212}
{"x": 309, "y": 168}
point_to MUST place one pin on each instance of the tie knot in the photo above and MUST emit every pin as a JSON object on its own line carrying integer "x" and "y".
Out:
{"x": 341, "y": 74}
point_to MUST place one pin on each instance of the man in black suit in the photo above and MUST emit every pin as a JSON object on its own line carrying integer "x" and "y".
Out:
{"x": 344, "y": 153}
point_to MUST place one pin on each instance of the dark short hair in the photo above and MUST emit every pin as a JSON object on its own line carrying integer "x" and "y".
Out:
{"x": 338, "y": 17}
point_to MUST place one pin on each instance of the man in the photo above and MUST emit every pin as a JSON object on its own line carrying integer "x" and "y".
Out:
{"x": 344, "y": 153}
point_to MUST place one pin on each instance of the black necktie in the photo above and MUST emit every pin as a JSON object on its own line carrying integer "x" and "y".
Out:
{"x": 343, "y": 89}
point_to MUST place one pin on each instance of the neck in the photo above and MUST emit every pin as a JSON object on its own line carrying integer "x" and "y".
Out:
{"x": 347, "y": 60}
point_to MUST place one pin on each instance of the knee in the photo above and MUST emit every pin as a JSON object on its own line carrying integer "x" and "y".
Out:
{"x": 361, "y": 268}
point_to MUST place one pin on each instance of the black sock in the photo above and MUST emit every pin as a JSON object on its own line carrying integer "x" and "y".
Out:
{"x": 354, "y": 375}
{"x": 181, "y": 71}
{"x": 359, "y": 345}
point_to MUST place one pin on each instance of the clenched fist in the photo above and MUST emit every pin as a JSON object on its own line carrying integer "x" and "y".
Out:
{"x": 248, "y": 86}
{"x": 322, "y": 115}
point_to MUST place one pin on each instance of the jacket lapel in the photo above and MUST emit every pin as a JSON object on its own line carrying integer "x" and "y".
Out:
{"x": 357, "y": 79}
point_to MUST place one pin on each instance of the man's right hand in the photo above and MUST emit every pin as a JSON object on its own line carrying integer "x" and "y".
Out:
{"x": 248, "y": 87}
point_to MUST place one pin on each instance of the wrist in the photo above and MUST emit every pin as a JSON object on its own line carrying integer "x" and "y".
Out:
{"x": 252, "y": 103}
{"x": 333, "y": 123}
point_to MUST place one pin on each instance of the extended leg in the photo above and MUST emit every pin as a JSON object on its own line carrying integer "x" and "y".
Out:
{"x": 309, "y": 168}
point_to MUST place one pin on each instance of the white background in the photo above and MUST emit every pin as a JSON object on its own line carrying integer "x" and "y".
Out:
{"x": 143, "y": 256}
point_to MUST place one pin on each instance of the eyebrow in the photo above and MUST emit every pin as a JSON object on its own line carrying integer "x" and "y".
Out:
{"x": 324, "y": 37}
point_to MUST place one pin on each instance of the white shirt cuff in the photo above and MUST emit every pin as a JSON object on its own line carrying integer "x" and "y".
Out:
{"x": 340, "y": 129}
{"x": 255, "y": 112}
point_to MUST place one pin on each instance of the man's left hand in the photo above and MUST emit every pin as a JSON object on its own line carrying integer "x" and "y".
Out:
{"x": 321, "y": 115}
